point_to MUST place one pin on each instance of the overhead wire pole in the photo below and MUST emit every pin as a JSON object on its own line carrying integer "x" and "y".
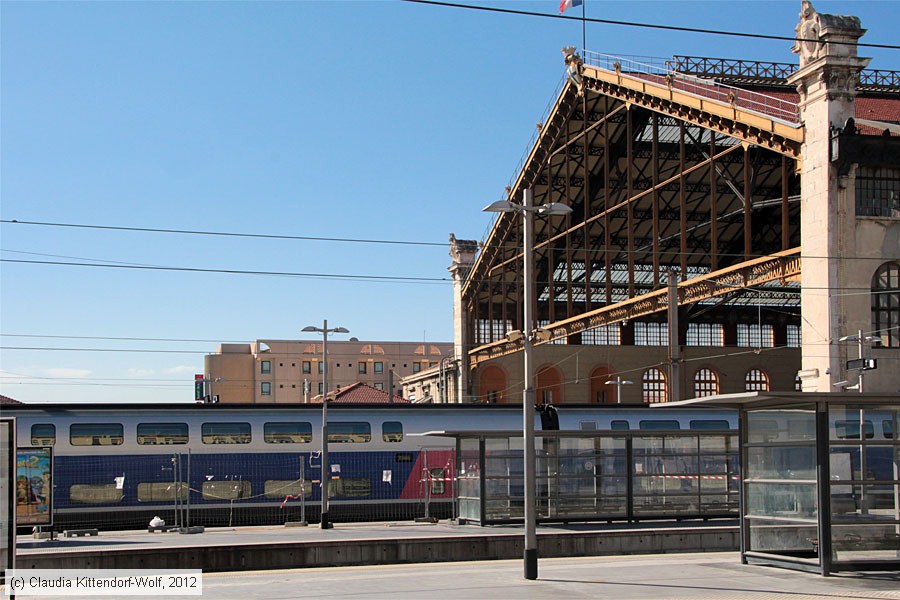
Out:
{"x": 325, "y": 521}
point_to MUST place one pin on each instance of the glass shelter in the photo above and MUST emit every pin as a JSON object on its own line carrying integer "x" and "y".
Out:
{"x": 599, "y": 475}
{"x": 820, "y": 488}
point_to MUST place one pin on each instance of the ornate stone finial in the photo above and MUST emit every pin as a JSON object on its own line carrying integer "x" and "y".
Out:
{"x": 815, "y": 31}
{"x": 807, "y": 34}
{"x": 574, "y": 65}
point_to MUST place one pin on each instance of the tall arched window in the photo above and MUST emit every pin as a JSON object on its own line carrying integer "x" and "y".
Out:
{"x": 549, "y": 386}
{"x": 600, "y": 392}
{"x": 886, "y": 304}
{"x": 706, "y": 383}
{"x": 653, "y": 386}
{"x": 756, "y": 381}
{"x": 492, "y": 385}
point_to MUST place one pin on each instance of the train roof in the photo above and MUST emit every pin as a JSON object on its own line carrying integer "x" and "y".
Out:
{"x": 214, "y": 408}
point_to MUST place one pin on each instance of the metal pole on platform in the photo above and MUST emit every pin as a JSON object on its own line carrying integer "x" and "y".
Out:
{"x": 527, "y": 210}
{"x": 326, "y": 474}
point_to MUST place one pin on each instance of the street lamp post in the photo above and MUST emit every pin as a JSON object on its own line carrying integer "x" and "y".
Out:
{"x": 619, "y": 382}
{"x": 326, "y": 475}
{"x": 527, "y": 210}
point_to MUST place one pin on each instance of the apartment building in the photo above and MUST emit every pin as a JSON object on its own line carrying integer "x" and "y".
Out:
{"x": 290, "y": 371}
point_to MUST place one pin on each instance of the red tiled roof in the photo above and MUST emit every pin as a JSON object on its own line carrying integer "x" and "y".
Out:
{"x": 8, "y": 400}
{"x": 361, "y": 393}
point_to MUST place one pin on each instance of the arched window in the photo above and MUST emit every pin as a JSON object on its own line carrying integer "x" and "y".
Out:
{"x": 492, "y": 385}
{"x": 653, "y": 386}
{"x": 549, "y": 386}
{"x": 706, "y": 383}
{"x": 756, "y": 381}
{"x": 600, "y": 392}
{"x": 886, "y": 304}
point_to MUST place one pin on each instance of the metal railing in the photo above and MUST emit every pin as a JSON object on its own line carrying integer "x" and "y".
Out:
{"x": 663, "y": 71}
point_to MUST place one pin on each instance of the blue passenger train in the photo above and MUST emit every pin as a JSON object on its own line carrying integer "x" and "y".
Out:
{"x": 119, "y": 466}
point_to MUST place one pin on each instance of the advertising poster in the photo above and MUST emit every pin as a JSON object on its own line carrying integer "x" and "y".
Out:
{"x": 34, "y": 486}
{"x": 7, "y": 495}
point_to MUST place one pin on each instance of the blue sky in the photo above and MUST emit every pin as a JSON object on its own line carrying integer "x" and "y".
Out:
{"x": 361, "y": 120}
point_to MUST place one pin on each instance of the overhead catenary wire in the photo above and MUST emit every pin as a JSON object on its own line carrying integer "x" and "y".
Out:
{"x": 349, "y": 240}
{"x": 656, "y": 26}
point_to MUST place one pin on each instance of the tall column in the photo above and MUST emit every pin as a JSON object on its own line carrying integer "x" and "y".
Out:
{"x": 462, "y": 252}
{"x": 826, "y": 82}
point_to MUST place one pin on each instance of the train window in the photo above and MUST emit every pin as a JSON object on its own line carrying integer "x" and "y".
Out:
{"x": 619, "y": 425}
{"x": 350, "y": 487}
{"x": 280, "y": 489}
{"x": 226, "y": 489}
{"x": 96, "y": 434}
{"x": 714, "y": 424}
{"x": 44, "y": 434}
{"x": 888, "y": 427}
{"x": 97, "y": 493}
{"x": 162, "y": 433}
{"x": 588, "y": 425}
{"x": 226, "y": 433}
{"x": 161, "y": 491}
{"x": 392, "y": 431}
{"x": 349, "y": 432}
{"x": 287, "y": 433}
{"x": 660, "y": 424}
{"x": 849, "y": 430}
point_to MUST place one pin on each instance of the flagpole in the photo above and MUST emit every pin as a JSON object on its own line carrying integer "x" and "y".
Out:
{"x": 583, "y": 28}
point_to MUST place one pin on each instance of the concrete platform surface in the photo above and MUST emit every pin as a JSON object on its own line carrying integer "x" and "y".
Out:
{"x": 657, "y": 577}
{"x": 258, "y": 548}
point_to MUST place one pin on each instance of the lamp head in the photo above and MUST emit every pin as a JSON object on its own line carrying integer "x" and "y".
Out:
{"x": 310, "y": 328}
{"x": 554, "y": 209}
{"x": 502, "y": 206}
{"x": 340, "y": 330}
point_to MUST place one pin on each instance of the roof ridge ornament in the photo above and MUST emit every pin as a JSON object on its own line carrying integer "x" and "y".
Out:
{"x": 574, "y": 66}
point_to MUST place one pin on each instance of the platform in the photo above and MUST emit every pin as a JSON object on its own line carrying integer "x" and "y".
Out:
{"x": 258, "y": 548}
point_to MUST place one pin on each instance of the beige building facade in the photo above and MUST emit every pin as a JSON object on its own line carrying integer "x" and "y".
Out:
{"x": 290, "y": 371}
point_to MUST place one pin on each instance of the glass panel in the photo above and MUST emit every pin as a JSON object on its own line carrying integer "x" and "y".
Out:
{"x": 786, "y": 500}
{"x": 100, "y": 493}
{"x": 781, "y": 426}
{"x": 162, "y": 433}
{"x": 96, "y": 434}
{"x": 658, "y": 424}
{"x": 43, "y": 434}
{"x": 870, "y": 542}
{"x": 234, "y": 489}
{"x": 279, "y": 489}
{"x": 710, "y": 424}
{"x": 799, "y": 539}
{"x": 349, "y": 433}
{"x": 789, "y": 463}
{"x": 225, "y": 433}
{"x": 392, "y": 431}
{"x": 161, "y": 491}
{"x": 350, "y": 487}
{"x": 287, "y": 433}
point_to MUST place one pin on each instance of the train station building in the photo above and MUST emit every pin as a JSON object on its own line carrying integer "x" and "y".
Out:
{"x": 734, "y": 226}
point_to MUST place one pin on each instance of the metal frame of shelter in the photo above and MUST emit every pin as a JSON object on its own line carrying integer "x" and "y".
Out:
{"x": 593, "y": 475}
{"x": 820, "y": 487}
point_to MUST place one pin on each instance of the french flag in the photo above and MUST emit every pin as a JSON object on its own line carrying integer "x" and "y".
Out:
{"x": 565, "y": 5}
